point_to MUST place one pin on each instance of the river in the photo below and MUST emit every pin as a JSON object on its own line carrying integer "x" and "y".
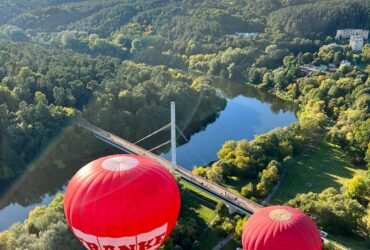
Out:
{"x": 248, "y": 112}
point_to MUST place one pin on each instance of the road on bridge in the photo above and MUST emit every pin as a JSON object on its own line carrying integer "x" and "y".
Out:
{"x": 237, "y": 202}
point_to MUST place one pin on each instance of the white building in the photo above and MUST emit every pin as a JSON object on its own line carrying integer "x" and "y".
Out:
{"x": 247, "y": 34}
{"x": 356, "y": 43}
{"x": 347, "y": 33}
{"x": 345, "y": 62}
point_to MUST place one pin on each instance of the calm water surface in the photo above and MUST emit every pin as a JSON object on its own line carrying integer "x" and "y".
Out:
{"x": 248, "y": 112}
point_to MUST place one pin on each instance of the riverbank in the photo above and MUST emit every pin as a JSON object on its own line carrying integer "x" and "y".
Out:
{"x": 246, "y": 114}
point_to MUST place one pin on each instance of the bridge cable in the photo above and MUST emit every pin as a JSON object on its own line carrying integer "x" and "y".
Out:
{"x": 188, "y": 158}
{"x": 159, "y": 146}
{"x": 182, "y": 134}
{"x": 204, "y": 162}
{"x": 186, "y": 139}
{"x": 155, "y": 132}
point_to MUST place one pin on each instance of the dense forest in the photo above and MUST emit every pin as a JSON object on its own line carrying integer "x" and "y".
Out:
{"x": 323, "y": 16}
{"x": 122, "y": 62}
{"x": 42, "y": 91}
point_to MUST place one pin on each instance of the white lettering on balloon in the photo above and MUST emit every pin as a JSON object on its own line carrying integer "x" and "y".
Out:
{"x": 145, "y": 241}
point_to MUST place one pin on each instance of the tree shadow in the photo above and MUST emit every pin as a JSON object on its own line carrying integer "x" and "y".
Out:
{"x": 315, "y": 170}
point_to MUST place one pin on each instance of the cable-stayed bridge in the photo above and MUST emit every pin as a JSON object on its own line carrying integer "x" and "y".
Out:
{"x": 234, "y": 201}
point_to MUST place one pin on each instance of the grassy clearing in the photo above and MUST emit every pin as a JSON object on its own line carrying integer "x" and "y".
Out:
{"x": 197, "y": 191}
{"x": 315, "y": 170}
{"x": 347, "y": 243}
{"x": 204, "y": 205}
{"x": 206, "y": 213}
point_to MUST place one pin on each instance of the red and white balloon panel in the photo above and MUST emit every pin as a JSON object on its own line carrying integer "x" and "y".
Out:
{"x": 123, "y": 202}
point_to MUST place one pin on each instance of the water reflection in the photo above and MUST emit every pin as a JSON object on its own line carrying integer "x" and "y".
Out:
{"x": 243, "y": 118}
{"x": 231, "y": 90}
{"x": 248, "y": 112}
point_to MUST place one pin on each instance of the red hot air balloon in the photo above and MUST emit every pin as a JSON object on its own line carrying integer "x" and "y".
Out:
{"x": 280, "y": 228}
{"x": 122, "y": 202}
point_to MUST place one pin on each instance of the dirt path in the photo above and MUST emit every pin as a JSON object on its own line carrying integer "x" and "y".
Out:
{"x": 222, "y": 243}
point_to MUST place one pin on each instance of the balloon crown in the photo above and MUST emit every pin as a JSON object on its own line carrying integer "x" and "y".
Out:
{"x": 120, "y": 163}
{"x": 280, "y": 215}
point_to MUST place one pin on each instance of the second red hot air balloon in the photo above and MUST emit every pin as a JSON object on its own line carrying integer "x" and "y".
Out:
{"x": 123, "y": 202}
{"x": 280, "y": 228}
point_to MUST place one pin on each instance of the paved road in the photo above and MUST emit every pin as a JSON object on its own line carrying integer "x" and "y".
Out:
{"x": 237, "y": 202}
{"x": 222, "y": 243}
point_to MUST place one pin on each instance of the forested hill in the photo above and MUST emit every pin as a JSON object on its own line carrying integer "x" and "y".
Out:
{"x": 321, "y": 17}
{"x": 12, "y": 8}
{"x": 119, "y": 27}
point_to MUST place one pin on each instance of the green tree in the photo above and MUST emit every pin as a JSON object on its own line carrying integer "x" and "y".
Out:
{"x": 331, "y": 210}
{"x": 366, "y": 224}
{"x": 68, "y": 39}
{"x": 313, "y": 119}
{"x": 366, "y": 53}
{"x": 215, "y": 174}
{"x": 361, "y": 132}
{"x": 358, "y": 187}
{"x": 227, "y": 151}
{"x": 248, "y": 190}
{"x": 239, "y": 227}
{"x": 46, "y": 228}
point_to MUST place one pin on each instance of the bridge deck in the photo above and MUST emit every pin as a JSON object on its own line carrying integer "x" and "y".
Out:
{"x": 238, "y": 202}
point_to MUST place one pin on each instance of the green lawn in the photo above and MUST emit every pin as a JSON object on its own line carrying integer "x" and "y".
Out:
{"x": 197, "y": 191}
{"x": 315, "y": 170}
{"x": 204, "y": 205}
{"x": 206, "y": 213}
{"x": 347, "y": 243}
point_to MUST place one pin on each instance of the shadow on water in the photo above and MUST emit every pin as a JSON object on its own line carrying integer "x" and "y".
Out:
{"x": 50, "y": 173}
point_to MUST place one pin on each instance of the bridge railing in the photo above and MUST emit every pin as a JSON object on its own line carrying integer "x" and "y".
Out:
{"x": 206, "y": 184}
{"x": 222, "y": 191}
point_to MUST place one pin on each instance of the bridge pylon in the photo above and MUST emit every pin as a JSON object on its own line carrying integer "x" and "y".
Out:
{"x": 173, "y": 135}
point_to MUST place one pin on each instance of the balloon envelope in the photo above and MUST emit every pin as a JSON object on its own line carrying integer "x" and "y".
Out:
{"x": 280, "y": 228}
{"x": 123, "y": 202}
